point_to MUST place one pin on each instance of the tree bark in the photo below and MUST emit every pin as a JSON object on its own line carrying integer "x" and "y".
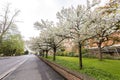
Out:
{"x": 46, "y": 54}
{"x": 100, "y": 51}
{"x": 0, "y": 40}
{"x": 40, "y": 53}
{"x": 54, "y": 54}
{"x": 43, "y": 53}
{"x": 80, "y": 55}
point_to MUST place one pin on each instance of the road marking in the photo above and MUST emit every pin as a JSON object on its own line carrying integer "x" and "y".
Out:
{"x": 12, "y": 69}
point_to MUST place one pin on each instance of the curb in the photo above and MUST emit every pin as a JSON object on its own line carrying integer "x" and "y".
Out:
{"x": 68, "y": 74}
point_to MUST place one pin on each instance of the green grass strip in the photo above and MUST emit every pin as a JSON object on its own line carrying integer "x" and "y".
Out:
{"x": 100, "y": 70}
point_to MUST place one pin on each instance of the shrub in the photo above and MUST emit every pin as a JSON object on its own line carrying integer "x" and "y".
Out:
{"x": 88, "y": 55}
{"x": 84, "y": 51}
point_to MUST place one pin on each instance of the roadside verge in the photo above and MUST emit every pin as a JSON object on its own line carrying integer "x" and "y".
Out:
{"x": 68, "y": 74}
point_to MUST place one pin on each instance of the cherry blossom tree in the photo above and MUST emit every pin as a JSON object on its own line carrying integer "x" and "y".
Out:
{"x": 49, "y": 32}
{"x": 77, "y": 21}
{"x": 103, "y": 24}
{"x": 37, "y": 45}
{"x": 79, "y": 24}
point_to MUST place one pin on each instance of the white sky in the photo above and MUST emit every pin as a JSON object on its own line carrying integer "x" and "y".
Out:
{"x": 35, "y": 10}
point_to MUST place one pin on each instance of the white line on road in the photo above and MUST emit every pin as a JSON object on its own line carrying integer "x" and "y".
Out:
{"x": 12, "y": 69}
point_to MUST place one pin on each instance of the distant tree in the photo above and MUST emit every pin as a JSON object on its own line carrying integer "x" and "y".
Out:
{"x": 12, "y": 45}
{"x": 38, "y": 45}
{"x": 49, "y": 33}
{"x": 26, "y": 52}
{"x": 6, "y": 20}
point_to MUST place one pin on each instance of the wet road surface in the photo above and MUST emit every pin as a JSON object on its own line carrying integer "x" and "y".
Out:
{"x": 32, "y": 69}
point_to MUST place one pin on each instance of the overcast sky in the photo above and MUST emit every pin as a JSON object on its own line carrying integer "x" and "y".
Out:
{"x": 35, "y": 10}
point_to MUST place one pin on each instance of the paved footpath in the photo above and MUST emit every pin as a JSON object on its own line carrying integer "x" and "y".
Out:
{"x": 34, "y": 69}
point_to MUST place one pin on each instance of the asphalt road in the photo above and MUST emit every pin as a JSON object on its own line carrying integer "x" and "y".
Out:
{"x": 31, "y": 68}
{"x": 7, "y": 64}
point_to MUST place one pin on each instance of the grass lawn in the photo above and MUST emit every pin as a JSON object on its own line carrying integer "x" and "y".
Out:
{"x": 100, "y": 70}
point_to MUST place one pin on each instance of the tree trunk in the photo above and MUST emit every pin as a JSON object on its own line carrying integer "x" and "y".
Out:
{"x": 54, "y": 54}
{"x": 46, "y": 54}
{"x": 0, "y": 41}
{"x": 43, "y": 53}
{"x": 100, "y": 51}
{"x": 80, "y": 55}
{"x": 40, "y": 53}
